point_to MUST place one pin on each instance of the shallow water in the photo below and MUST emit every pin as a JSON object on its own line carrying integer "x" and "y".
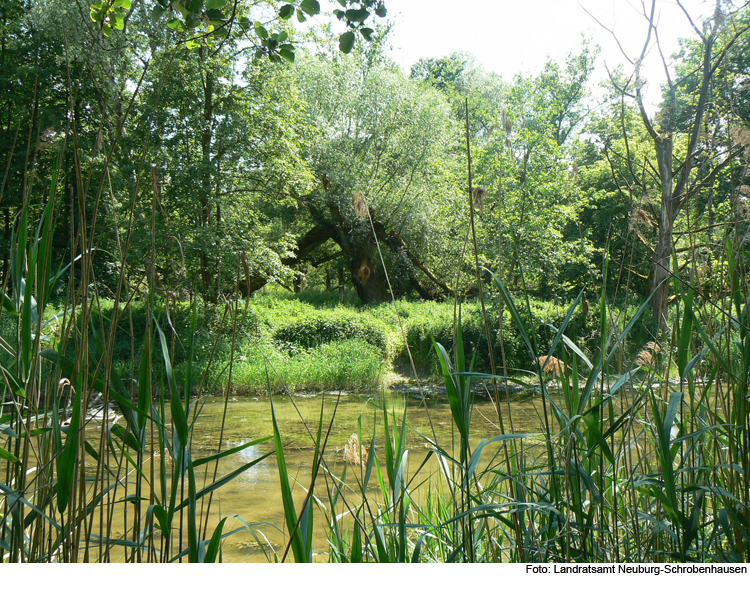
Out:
{"x": 255, "y": 494}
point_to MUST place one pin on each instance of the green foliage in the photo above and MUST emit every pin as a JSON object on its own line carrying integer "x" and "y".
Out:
{"x": 326, "y": 327}
{"x": 248, "y": 157}
{"x": 208, "y": 22}
{"x": 44, "y": 405}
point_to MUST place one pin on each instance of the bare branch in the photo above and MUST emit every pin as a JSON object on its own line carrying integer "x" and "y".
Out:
{"x": 610, "y": 31}
{"x": 618, "y": 88}
{"x": 692, "y": 23}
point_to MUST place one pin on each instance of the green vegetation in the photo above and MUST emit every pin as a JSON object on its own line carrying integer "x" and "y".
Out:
{"x": 194, "y": 206}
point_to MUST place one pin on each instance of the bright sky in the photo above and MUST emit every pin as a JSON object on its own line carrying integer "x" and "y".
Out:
{"x": 512, "y": 36}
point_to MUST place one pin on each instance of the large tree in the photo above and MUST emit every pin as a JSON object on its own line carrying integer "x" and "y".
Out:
{"x": 522, "y": 133}
{"x": 679, "y": 130}
{"x": 223, "y": 145}
{"x": 383, "y": 152}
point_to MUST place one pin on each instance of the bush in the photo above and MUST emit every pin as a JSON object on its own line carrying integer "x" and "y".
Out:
{"x": 326, "y": 326}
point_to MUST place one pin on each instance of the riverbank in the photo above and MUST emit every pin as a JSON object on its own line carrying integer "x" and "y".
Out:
{"x": 312, "y": 342}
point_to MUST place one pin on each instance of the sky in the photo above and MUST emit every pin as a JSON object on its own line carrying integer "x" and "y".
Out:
{"x": 519, "y": 36}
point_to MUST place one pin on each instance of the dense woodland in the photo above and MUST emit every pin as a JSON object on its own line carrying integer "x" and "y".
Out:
{"x": 247, "y": 166}
{"x": 193, "y": 189}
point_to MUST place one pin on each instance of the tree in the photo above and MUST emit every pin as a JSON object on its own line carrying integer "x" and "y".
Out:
{"x": 224, "y": 144}
{"x": 63, "y": 100}
{"x": 677, "y": 139}
{"x": 383, "y": 154}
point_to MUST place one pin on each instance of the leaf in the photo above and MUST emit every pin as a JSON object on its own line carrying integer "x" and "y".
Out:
{"x": 261, "y": 31}
{"x": 66, "y": 460}
{"x": 367, "y": 33}
{"x": 475, "y": 457}
{"x": 311, "y": 7}
{"x": 357, "y": 16}
{"x": 175, "y": 24}
{"x": 286, "y": 11}
{"x": 212, "y": 551}
{"x": 228, "y": 452}
{"x": 7, "y": 456}
{"x": 179, "y": 419}
{"x": 381, "y": 11}
{"x": 670, "y": 415}
{"x": 287, "y": 54}
{"x": 290, "y": 512}
{"x": 346, "y": 42}
{"x": 8, "y": 431}
{"x": 13, "y": 498}
{"x": 126, "y": 436}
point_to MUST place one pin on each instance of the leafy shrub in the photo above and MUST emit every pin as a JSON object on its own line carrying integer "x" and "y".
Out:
{"x": 326, "y": 326}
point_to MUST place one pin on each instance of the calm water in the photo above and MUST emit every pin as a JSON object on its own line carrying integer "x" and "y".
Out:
{"x": 255, "y": 494}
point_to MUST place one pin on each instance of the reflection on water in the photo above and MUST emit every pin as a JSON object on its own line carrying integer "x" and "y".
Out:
{"x": 255, "y": 494}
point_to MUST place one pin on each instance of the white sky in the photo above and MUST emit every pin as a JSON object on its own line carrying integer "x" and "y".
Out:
{"x": 512, "y": 36}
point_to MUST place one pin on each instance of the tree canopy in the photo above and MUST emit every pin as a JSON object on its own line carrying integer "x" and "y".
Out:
{"x": 223, "y": 154}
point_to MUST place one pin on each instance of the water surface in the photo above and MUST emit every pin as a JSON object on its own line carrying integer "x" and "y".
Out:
{"x": 255, "y": 494}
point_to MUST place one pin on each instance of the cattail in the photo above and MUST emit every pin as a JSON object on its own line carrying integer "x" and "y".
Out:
{"x": 647, "y": 356}
{"x": 639, "y": 218}
{"x": 507, "y": 124}
{"x": 508, "y": 128}
{"x": 360, "y": 207}
{"x": 646, "y": 199}
{"x": 550, "y": 364}
{"x": 352, "y": 451}
{"x": 479, "y": 194}
{"x": 645, "y": 359}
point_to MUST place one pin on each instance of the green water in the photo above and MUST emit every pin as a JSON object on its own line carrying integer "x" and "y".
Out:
{"x": 255, "y": 494}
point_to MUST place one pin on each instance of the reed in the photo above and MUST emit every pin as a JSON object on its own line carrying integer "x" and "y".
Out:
{"x": 643, "y": 456}
{"x": 96, "y": 465}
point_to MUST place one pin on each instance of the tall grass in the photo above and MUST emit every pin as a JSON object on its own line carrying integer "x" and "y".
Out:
{"x": 633, "y": 466}
{"x": 97, "y": 466}
{"x": 97, "y": 463}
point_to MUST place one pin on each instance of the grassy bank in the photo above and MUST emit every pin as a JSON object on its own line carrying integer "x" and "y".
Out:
{"x": 311, "y": 342}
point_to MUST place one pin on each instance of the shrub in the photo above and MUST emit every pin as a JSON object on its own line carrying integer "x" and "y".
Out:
{"x": 326, "y": 326}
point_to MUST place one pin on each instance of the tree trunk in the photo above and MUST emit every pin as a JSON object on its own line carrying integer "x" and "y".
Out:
{"x": 663, "y": 253}
{"x": 359, "y": 248}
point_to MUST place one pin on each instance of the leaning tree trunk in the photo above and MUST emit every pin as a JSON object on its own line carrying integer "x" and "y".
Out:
{"x": 361, "y": 239}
